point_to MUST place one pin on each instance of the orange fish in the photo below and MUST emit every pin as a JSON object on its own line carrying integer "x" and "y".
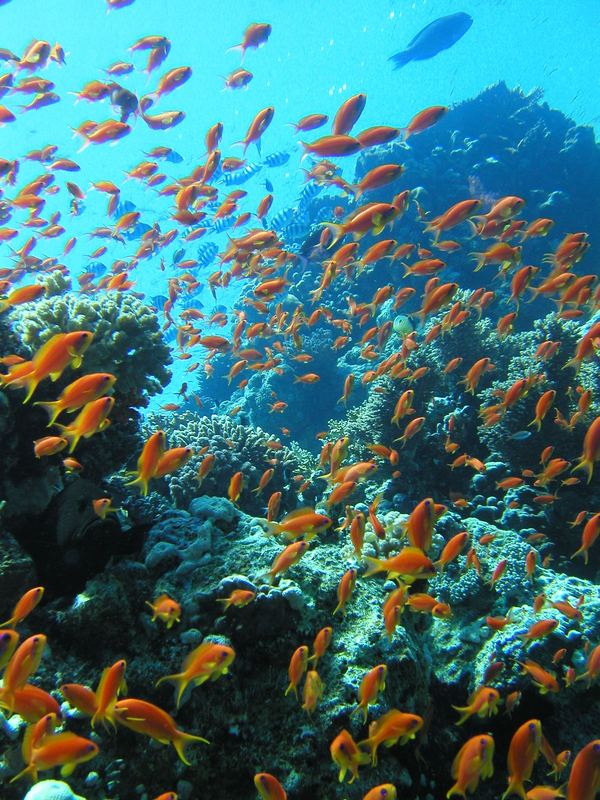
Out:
{"x": 206, "y": 662}
{"x": 588, "y": 537}
{"x": 102, "y": 506}
{"x": 59, "y": 352}
{"x": 345, "y": 589}
{"x": 347, "y": 114}
{"x": 92, "y": 419}
{"x": 312, "y": 692}
{"x": 288, "y": 557}
{"x": 172, "y": 460}
{"x": 111, "y": 684}
{"x": 525, "y": 747}
{"x": 166, "y": 609}
{"x": 391, "y": 727}
{"x": 305, "y": 522}
{"x": 370, "y": 686}
{"x": 236, "y": 486}
{"x": 255, "y": 35}
{"x": 347, "y": 756}
{"x": 472, "y": 763}
{"x": 484, "y": 702}
{"x": 25, "y": 605}
{"x": 238, "y": 598}
{"x": 423, "y": 120}
{"x": 269, "y": 787}
{"x": 148, "y": 460}
{"x": 297, "y": 668}
{"x": 410, "y": 564}
{"x": 32, "y": 703}
{"x": 584, "y": 780}
{"x": 23, "y": 663}
{"x": 321, "y": 643}
{"x": 143, "y": 717}
{"x": 65, "y": 750}
{"x": 544, "y": 680}
{"x": 385, "y": 791}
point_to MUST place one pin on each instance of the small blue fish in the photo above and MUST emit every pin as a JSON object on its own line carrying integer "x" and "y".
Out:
{"x": 520, "y": 436}
{"x": 241, "y": 175}
{"x": 268, "y": 185}
{"x": 97, "y": 267}
{"x": 206, "y": 253}
{"x": 276, "y": 159}
{"x": 158, "y": 301}
{"x": 174, "y": 157}
{"x": 283, "y": 218}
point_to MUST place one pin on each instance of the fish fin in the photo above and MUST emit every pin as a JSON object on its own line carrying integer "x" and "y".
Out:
{"x": 29, "y": 770}
{"x": 375, "y": 565}
{"x": 400, "y": 59}
{"x": 182, "y": 739}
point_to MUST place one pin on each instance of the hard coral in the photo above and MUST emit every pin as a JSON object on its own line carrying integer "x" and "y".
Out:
{"x": 236, "y": 448}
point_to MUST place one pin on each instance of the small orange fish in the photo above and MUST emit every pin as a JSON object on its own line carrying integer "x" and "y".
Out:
{"x": 297, "y": 668}
{"x": 269, "y": 787}
{"x": 24, "y": 606}
{"x": 387, "y": 730}
{"x": 206, "y": 662}
{"x": 166, "y": 609}
{"x": 347, "y": 756}
{"x": 484, "y": 702}
{"x": 370, "y": 686}
{"x": 239, "y": 598}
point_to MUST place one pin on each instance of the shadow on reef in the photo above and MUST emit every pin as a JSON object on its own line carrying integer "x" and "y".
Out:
{"x": 69, "y": 543}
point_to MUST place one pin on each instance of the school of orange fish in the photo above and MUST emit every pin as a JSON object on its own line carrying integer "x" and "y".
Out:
{"x": 258, "y": 257}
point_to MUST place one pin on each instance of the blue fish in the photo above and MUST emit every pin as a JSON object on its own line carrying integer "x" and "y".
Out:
{"x": 241, "y": 175}
{"x": 158, "y": 301}
{"x": 276, "y": 159}
{"x": 174, "y": 158}
{"x": 206, "y": 253}
{"x": 439, "y": 35}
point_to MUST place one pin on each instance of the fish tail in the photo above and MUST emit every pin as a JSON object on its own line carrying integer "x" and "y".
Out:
{"x": 141, "y": 482}
{"x": 180, "y": 684}
{"x": 181, "y": 740}
{"x": 455, "y": 790}
{"x": 581, "y": 552}
{"x": 71, "y": 436}
{"x": 29, "y": 770}
{"x": 52, "y": 408}
{"x": 574, "y": 362}
{"x": 375, "y": 566}
{"x": 537, "y": 422}
{"x": 587, "y": 466}
{"x": 30, "y": 383}
{"x": 464, "y": 712}
{"x": 515, "y": 786}
{"x": 400, "y": 59}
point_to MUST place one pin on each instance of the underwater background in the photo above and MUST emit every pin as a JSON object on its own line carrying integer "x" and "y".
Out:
{"x": 299, "y": 400}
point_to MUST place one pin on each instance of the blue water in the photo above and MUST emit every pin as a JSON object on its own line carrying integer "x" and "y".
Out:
{"x": 318, "y": 55}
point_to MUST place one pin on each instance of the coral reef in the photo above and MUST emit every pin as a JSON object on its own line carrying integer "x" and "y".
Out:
{"x": 127, "y": 338}
{"x": 236, "y": 447}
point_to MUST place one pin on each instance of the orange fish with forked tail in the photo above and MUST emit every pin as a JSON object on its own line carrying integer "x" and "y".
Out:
{"x": 410, "y": 564}
{"x": 143, "y": 717}
{"x": 207, "y": 662}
